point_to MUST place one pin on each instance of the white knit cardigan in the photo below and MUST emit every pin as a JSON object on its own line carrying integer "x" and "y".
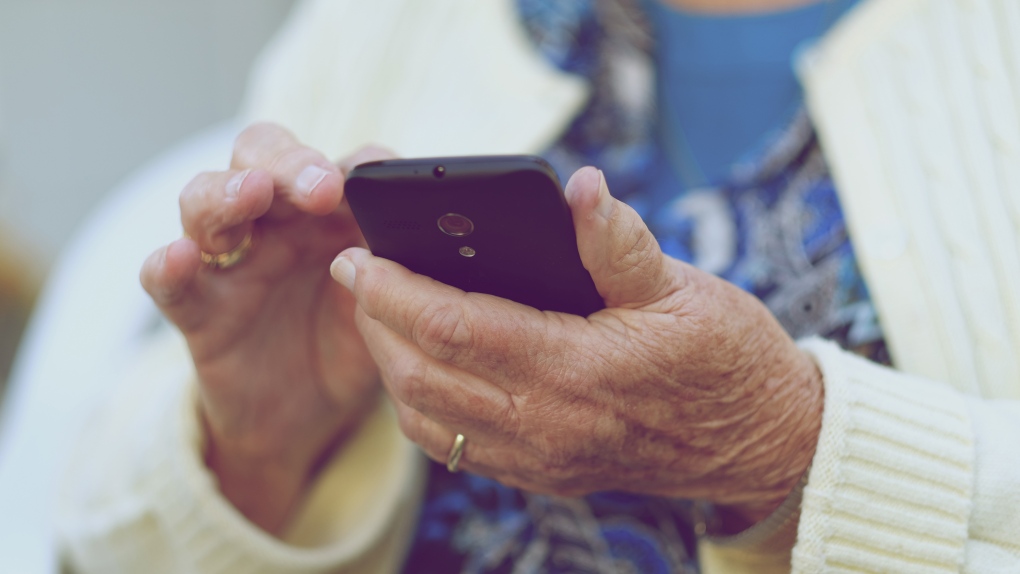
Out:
{"x": 916, "y": 102}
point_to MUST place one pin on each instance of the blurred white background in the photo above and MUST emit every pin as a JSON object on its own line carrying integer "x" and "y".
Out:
{"x": 90, "y": 90}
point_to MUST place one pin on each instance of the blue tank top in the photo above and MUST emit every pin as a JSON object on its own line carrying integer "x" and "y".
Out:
{"x": 725, "y": 83}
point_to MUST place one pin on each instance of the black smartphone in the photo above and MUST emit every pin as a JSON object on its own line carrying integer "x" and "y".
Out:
{"x": 486, "y": 224}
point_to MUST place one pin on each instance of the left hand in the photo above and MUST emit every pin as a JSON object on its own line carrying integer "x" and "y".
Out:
{"x": 283, "y": 375}
{"x": 684, "y": 386}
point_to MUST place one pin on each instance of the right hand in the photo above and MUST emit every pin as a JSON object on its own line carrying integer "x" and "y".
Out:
{"x": 282, "y": 370}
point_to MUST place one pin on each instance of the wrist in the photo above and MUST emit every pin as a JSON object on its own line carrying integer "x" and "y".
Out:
{"x": 789, "y": 420}
{"x": 264, "y": 491}
{"x": 267, "y": 483}
{"x": 778, "y": 531}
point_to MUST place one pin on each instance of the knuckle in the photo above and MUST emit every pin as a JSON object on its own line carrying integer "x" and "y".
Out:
{"x": 250, "y": 144}
{"x": 555, "y": 471}
{"x": 639, "y": 252}
{"x": 247, "y": 141}
{"x": 374, "y": 289}
{"x": 257, "y": 133}
{"x": 291, "y": 155}
{"x": 553, "y": 465}
{"x": 441, "y": 330}
{"x": 508, "y": 420}
{"x": 408, "y": 380}
{"x": 195, "y": 189}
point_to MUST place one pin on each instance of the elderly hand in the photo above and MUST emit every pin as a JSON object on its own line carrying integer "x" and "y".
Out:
{"x": 282, "y": 370}
{"x": 684, "y": 386}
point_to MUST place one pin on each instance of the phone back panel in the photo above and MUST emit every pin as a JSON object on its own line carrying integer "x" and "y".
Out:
{"x": 523, "y": 242}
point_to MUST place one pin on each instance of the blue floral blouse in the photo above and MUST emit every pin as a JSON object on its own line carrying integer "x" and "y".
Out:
{"x": 773, "y": 227}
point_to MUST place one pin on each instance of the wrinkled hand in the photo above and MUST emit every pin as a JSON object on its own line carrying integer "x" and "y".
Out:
{"x": 283, "y": 372}
{"x": 684, "y": 386}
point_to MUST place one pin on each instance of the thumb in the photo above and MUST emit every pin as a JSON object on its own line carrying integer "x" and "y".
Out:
{"x": 615, "y": 245}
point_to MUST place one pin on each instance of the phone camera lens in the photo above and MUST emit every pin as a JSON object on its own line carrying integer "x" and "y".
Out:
{"x": 439, "y": 171}
{"x": 455, "y": 225}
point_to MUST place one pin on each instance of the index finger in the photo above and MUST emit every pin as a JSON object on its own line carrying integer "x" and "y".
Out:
{"x": 504, "y": 342}
{"x": 305, "y": 177}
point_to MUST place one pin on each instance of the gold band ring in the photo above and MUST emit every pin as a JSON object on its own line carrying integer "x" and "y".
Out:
{"x": 455, "y": 453}
{"x": 230, "y": 258}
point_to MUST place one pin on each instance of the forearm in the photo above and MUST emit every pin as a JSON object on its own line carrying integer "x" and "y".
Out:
{"x": 139, "y": 498}
{"x": 265, "y": 492}
{"x": 267, "y": 486}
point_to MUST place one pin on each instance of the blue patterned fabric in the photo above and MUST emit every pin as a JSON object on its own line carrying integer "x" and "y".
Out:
{"x": 773, "y": 227}
{"x": 473, "y": 525}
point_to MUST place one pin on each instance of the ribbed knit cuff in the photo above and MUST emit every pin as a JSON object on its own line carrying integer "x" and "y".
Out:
{"x": 213, "y": 537}
{"x": 890, "y": 485}
{"x": 762, "y": 549}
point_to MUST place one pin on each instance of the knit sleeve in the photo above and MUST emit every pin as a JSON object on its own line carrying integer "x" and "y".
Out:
{"x": 909, "y": 475}
{"x": 137, "y": 497}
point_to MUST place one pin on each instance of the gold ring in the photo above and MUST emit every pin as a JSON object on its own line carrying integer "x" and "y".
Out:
{"x": 230, "y": 258}
{"x": 455, "y": 453}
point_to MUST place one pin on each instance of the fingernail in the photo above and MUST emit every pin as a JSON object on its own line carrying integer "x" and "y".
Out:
{"x": 606, "y": 203}
{"x": 235, "y": 183}
{"x": 310, "y": 178}
{"x": 343, "y": 271}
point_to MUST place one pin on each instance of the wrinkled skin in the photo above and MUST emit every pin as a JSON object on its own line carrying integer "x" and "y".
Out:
{"x": 685, "y": 386}
{"x": 282, "y": 371}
